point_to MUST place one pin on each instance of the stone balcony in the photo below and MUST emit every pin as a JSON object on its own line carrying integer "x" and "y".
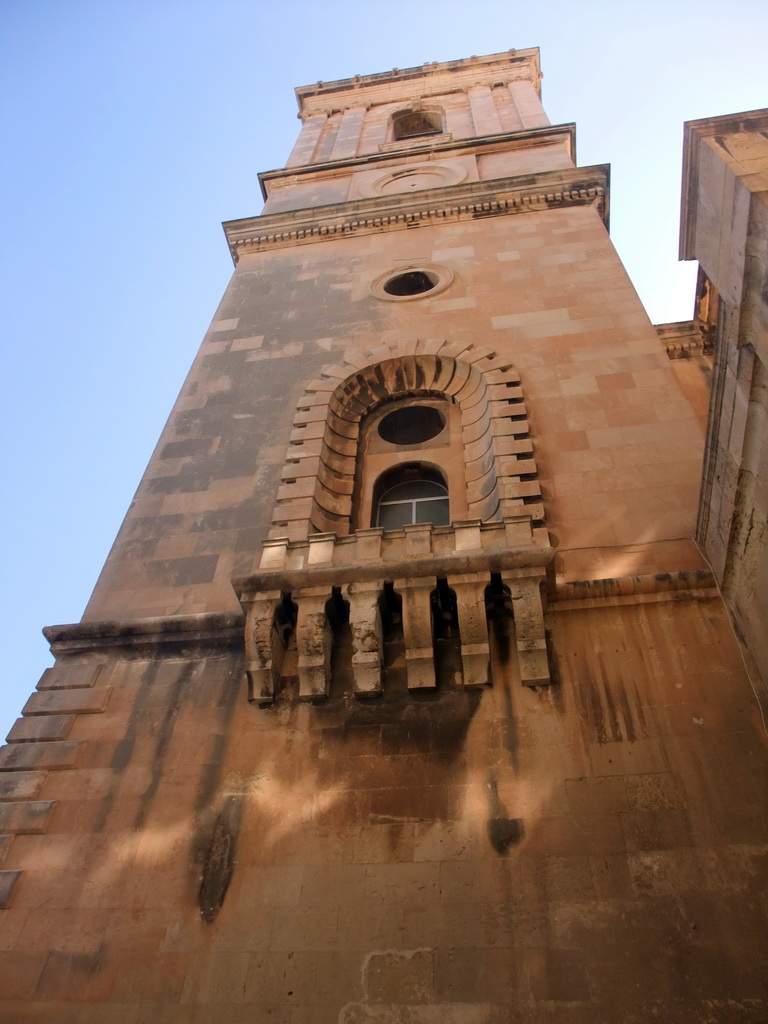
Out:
{"x": 289, "y": 600}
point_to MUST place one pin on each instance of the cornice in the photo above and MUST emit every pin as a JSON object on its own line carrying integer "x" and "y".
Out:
{"x": 580, "y": 186}
{"x": 445, "y": 146}
{"x": 456, "y": 73}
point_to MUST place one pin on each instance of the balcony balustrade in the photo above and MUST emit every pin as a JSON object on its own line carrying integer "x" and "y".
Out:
{"x": 297, "y": 581}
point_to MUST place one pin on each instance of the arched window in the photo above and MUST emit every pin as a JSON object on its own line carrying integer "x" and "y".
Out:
{"x": 409, "y": 124}
{"x": 413, "y": 493}
{"x": 483, "y": 448}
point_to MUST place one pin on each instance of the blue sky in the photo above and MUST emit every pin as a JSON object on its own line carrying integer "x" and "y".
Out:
{"x": 132, "y": 129}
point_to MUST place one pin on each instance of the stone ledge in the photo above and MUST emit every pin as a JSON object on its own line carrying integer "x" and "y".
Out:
{"x": 8, "y": 880}
{"x": 28, "y": 817}
{"x": 20, "y": 785}
{"x": 78, "y": 676}
{"x": 54, "y": 703}
{"x": 424, "y": 566}
{"x": 695, "y": 584}
{"x": 51, "y": 754}
{"x": 206, "y": 629}
{"x": 43, "y": 728}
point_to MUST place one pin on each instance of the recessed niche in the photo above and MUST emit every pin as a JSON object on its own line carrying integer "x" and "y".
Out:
{"x": 408, "y": 124}
{"x": 412, "y": 424}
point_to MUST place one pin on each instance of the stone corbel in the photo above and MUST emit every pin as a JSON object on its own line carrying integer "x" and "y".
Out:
{"x": 473, "y": 627}
{"x": 417, "y": 631}
{"x": 264, "y": 647}
{"x": 313, "y": 643}
{"x": 529, "y": 630}
{"x": 367, "y": 644}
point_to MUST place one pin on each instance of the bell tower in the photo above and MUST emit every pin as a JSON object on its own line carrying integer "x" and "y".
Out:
{"x": 390, "y": 701}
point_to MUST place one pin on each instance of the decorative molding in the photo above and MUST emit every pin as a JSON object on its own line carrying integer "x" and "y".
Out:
{"x": 436, "y": 78}
{"x": 321, "y": 231}
{"x": 440, "y": 276}
{"x": 501, "y": 196}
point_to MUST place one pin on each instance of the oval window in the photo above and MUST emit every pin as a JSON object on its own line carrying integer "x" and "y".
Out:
{"x": 413, "y": 282}
{"x": 413, "y": 424}
{"x": 404, "y": 284}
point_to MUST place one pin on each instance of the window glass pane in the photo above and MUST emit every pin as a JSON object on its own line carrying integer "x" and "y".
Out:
{"x": 434, "y": 511}
{"x": 391, "y": 517}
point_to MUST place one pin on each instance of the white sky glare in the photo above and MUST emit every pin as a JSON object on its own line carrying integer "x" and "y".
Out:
{"x": 131, "y": 130}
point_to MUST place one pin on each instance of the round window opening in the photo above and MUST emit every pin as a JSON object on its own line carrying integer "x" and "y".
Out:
{"x": 413, "y": 282}
{"x": 413, "y": 424}
{"x": 404, "y": 284}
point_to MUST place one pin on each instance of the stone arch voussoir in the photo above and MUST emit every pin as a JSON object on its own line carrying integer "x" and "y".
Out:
{"x": 318, "y": 477}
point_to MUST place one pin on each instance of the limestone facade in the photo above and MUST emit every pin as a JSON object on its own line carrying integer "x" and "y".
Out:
{"x": 725, "y": 227}
{"x": 496, "y": 763}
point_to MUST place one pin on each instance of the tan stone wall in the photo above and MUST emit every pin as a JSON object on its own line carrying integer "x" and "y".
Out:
{"x": 591, "y": 851}
{"x": 725, "y": 227}
{"x": 616, "y": 441}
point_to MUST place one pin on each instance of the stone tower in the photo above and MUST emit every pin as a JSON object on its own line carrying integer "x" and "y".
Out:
{"x": 405, "y": 694}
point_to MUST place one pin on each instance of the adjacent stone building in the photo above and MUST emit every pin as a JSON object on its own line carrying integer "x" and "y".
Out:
{"x": 725, "y": 228}
{"x": 406, "y": 695}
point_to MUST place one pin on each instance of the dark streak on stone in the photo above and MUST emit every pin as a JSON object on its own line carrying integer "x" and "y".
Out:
{"x": 552, "y": 662}
{"x": 509, "y": 731}
{"x": 617, "y": 735}
{"x": 596, "y": 706}
{"x": 503, "y": 831}
{"x": 172, "y": 707}
{"x": 206, "y": 799}
{"x": 124, "y": 749}
{"x": 219, "y": 858}
{"x": 626, "y": 711}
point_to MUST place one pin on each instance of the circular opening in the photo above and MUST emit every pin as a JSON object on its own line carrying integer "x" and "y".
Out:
{"x": 413, "y": 424}
{"x": 413, "y": 282}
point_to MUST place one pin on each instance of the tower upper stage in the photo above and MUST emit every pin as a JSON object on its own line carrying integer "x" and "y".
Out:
{"x": 387, "y": 135}
{"x": 430, "y": 79}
